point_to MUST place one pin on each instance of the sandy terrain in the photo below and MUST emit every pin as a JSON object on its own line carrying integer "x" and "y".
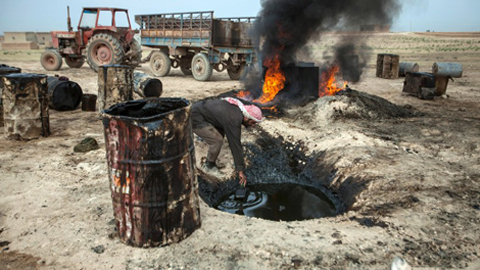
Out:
{"x": 410, "y": 185}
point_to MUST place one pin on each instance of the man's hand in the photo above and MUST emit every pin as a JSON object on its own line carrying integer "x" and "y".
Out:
{"x": 243, "y": 178}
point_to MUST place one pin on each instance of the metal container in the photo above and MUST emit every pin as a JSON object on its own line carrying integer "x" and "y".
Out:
{"x": 222, "y": 33}
{"x": 405, "y": 67}
{"x": 454, "y": 70}
{"x": 388, "y": 66}
{"x": 115, "y": 85}
{"x": 89, "y": 102}
{"x": 25, "y": 106}
{"x": 63, "y": 94}
{"x": 4, "y": 70}
{"x": 146, "y": 86}
{"x": 150, "y": 156}
{"x": 416, "y": 81}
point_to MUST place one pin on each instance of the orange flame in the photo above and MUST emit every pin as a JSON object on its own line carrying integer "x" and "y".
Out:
{"x": 328, "y": 85}
{"x": 243, "y": 94}
{"x": 274, "y": 80}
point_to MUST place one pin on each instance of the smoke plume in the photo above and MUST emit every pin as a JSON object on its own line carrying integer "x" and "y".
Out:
{"x": 284, "y": 27}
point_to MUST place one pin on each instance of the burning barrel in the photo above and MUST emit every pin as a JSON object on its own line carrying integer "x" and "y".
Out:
{"x": 25, "y": 106}
{"x": 64, "y": 95}
{"x": 146, "y": 86}
{"x": 4, "y": 70}
{"x": 150, "y": 156}
{"x": 115, "y": 85}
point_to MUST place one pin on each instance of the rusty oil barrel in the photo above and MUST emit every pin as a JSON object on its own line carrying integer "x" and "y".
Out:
{"x": 150, "y": 158}
{"x": 453, "y": 70}
{"x": 89, "y": 102}
{"x": 115, "y": 85}
{"x": 4, "y": 70}
{"x": 25, "y": 106}
{"x": 405, "y": 67}
{"x": 63, "y": 94}
{"x": 146, "y": 86}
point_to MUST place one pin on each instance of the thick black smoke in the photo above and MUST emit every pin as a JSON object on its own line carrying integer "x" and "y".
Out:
{"x": 284, "y": 27}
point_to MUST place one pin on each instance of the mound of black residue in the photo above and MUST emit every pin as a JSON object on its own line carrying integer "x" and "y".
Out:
{"x": 366, "y": 106}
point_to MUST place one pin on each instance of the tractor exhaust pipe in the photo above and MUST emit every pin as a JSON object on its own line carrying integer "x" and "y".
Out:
{"x": 69, "y": 22}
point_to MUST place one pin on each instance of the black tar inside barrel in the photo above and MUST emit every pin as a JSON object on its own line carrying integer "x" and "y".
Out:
{"x": 144, "y": 108}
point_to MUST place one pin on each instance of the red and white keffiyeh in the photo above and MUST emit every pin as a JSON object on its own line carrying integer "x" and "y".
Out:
{"x": 249, "y": 111}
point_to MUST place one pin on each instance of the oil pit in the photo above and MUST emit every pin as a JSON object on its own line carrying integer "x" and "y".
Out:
{"x": 278, "y": 202}
{"x": 283, "y": 183}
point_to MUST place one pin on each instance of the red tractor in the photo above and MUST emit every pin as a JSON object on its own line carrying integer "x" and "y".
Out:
{"x": 104, "y": 37}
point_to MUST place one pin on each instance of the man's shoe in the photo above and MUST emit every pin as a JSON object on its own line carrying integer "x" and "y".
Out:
{"x": 212, "y": 171}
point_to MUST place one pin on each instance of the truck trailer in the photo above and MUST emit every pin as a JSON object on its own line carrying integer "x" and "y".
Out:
{"x": 198, "y": 43}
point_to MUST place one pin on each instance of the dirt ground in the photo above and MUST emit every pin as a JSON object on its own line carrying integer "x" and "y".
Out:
{"x": 411, "y": 185}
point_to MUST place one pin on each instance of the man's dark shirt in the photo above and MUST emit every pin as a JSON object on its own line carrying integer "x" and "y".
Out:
{"x": 227, "y": 119}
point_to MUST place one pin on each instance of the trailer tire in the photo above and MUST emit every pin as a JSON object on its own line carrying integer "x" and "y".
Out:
{"x": 160, "y": 64}
{"x": 104, "y": 49}
{"x": 201, "y": 68}
{"x": 51, "y": 60}
{"x": 237, "y": 72}
{"x": 74, "y": 62}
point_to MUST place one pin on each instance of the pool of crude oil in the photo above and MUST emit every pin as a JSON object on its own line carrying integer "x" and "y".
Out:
{"x": 278, "y": 202}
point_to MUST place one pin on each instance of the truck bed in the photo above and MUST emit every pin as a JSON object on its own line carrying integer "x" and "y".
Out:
{"x": 194, "y": 29}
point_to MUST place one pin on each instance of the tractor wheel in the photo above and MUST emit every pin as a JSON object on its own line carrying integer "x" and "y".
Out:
{"x": 51, "y": 60}
{"x": 104, "y": 49}
{"x": 201, "y": 68}
{"x": 74, "y": 62}
{"x": 236, "y": 72}
{"x": 160, "y": 64}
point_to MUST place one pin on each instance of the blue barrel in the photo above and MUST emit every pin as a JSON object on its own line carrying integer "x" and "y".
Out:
{"x": 151, "y": 169}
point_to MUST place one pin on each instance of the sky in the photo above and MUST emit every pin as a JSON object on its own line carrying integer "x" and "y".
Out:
{"x": 50, "y": 15}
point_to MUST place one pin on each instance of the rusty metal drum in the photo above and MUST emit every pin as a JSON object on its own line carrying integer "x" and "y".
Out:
{"x": 115, "y": 85}
{"x": 25, "y": 106}
{"x": 4, "y": 70}
{"x": 150, "y": 156}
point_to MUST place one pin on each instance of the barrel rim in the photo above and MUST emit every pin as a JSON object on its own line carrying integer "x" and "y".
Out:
{"x": 25, "y": 75}
{"x": 106, "y": 114}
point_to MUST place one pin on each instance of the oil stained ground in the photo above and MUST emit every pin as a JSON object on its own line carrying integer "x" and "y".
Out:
{"x": 286, "y": 202}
